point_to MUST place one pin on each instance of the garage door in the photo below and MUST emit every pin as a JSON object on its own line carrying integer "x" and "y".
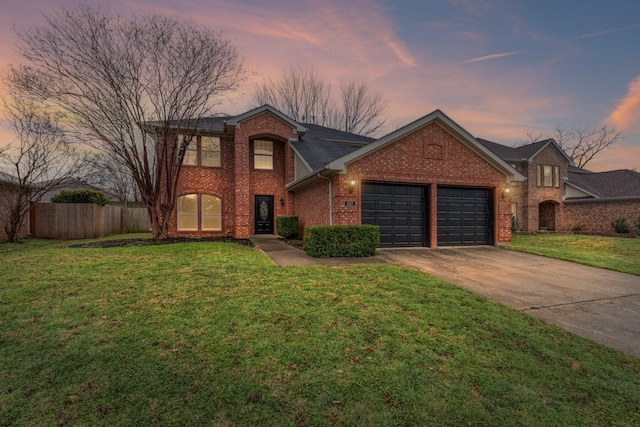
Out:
{"x": 399, "y": 210}
{"x": 464, "y": 216}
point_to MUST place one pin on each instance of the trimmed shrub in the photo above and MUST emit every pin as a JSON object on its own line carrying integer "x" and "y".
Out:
{"x": 324, "y": 241}
{"x": 577, "y": 228}
{"x": 80, "y": 196}
{"x": 287, "y": 226}
{"x": 515, "y": 225}
{"x": 620, "y": 225}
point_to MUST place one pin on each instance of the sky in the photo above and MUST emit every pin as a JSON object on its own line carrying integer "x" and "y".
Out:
{"x": 501, "y": 69}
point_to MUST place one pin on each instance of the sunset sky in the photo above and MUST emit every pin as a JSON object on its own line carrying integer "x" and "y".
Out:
{"x": 500, "y": 68}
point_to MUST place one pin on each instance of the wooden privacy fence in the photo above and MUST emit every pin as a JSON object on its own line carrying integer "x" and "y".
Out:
{"x": 85, "y": 220}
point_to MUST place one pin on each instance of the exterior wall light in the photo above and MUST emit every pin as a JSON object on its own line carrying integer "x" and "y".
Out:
{"x": 505, "y": 193}
{"x": 281, "y": 201}
{"x": 352, "y": 185}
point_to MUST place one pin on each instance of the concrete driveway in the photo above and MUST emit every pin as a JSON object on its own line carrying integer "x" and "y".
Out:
{"x": 598, "y": 304}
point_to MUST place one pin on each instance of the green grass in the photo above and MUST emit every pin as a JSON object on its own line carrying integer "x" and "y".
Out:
{"x": 215, "y": 334}
{"x": 612, "y": 253}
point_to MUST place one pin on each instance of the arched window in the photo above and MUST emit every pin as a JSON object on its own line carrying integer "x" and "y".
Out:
{"x": 211, "y": 213}
{"x": 206, "y": 208}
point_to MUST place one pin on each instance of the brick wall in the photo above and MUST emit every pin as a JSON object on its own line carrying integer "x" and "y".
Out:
{"x": 528, "y": 195}
{"x": 429, "y": 155}
{"x": 312, "y": 206}
{"x": 236, "y": 182}
{"x": 596, "y": 217}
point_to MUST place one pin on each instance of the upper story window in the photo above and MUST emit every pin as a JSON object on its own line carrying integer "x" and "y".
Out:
{"x": 262, "y": 154}
{"x": 548, "y": 176}
{"x": 210, "y": 151}
{"x": 202, "y": 151}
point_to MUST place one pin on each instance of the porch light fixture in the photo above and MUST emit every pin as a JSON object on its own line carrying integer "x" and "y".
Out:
{"x": 352, "y": 185}
{"x": 281, "y": 201}
{"x": 505, "y": 193}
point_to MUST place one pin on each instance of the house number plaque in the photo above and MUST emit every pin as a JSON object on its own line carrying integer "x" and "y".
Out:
{"x": 349, "y": 202}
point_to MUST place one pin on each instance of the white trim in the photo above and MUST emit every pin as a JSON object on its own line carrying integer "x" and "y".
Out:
{"x": 579, "y": 189}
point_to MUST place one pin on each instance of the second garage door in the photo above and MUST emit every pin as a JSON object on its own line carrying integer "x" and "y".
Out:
{"x": 399, "y": 210}
{"x": 464, "y": 216}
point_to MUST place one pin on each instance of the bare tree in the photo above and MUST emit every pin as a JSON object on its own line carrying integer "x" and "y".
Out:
{"x": 361, "y": 110}
{"x": 105, "y": 172}
{"x": 305, "y": 97}
{"x": 39, "y": 161}
{"x": 582, "y": 144}
{"x": 130, "y": 86}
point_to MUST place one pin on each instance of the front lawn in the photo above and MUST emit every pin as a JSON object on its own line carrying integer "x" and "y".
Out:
{"x": 612, "y": 253}
{"x": 214, "y": 334}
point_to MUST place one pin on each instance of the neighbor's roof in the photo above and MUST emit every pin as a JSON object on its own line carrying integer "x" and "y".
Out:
{"x": 606, "y": 185}
{"x": 7, "y": 179}
{"x": 522, "y": 153}
{"x": 321, "y": 145}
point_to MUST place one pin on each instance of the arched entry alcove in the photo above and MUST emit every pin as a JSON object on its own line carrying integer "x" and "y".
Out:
{"x": 547, "y": 215}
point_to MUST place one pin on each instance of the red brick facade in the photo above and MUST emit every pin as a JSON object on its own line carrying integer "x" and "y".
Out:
{"x": 410, "y": 160}
{"x": 428, "y": 155}
{"x": 528, "y": 195}
{"x": 596, "y": 217}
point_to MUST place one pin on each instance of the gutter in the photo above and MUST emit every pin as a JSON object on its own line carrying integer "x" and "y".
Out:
{"x": 605, "y": 199}
{"x": 330, "y": 198}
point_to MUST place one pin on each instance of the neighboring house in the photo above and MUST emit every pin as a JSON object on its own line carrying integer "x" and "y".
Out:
{"x": 8, "y": 189}
{"x": 73, "y": 184}
{"x": 429, "y": 183}
{"x": 558, "y": 196}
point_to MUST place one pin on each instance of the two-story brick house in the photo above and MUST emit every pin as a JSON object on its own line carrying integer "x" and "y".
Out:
{"x": 429, "y": 183}
{"x": 558, "y": 196}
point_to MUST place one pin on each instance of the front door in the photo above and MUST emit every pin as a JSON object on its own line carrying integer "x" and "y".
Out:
{"x": 264, "y": 214}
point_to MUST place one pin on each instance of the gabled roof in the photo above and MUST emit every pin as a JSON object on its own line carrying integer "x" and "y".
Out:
{"x": 524, "y": 152}
{"x": 349, "y": 153}
{"x": 450, "y": 126}
{"x": 235, "y": 121}
{"x": 623, "y": 183}
{"x": 321, "y": 145}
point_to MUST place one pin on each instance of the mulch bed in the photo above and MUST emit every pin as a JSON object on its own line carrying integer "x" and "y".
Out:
{"x": 123, "y": 243}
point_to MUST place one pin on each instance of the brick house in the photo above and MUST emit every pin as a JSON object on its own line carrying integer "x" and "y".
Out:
{"x": 558, "y": 196}
{"x": 429, "y": 183}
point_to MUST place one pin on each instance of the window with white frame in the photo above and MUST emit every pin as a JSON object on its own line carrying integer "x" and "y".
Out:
{"x": 262, "y": 154}
{"x": 199, "y": 212}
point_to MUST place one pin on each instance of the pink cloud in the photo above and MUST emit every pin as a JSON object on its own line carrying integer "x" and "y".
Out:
{"x": 627, "y": 113}
{"x": 494, "y": 56}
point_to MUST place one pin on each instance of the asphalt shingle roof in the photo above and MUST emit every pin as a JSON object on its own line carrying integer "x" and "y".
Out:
{"x": 321, "y": 145}
{"x": 7, "y": 179}
{"x": 617, "y": 183}
{"x": 513, "y": 154}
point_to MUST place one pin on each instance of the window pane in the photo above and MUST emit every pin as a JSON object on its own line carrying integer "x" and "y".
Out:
{"x": 547, "y": 175}
{"x": 210, "y": 149}
{"x": 263, "y": 154}
{"x": 191, "y": 152}
{"x": 211, "y": 213}
{"x": 188, "y": 212}
{"x": 556, "y": 176}
{"x": 539, "y": 175}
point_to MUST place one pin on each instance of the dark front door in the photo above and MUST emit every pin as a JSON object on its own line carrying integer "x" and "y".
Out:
{"x": 264, "y": 214}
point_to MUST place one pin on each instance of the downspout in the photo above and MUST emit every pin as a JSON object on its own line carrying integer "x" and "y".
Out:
{"x": 330, "y": 201}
